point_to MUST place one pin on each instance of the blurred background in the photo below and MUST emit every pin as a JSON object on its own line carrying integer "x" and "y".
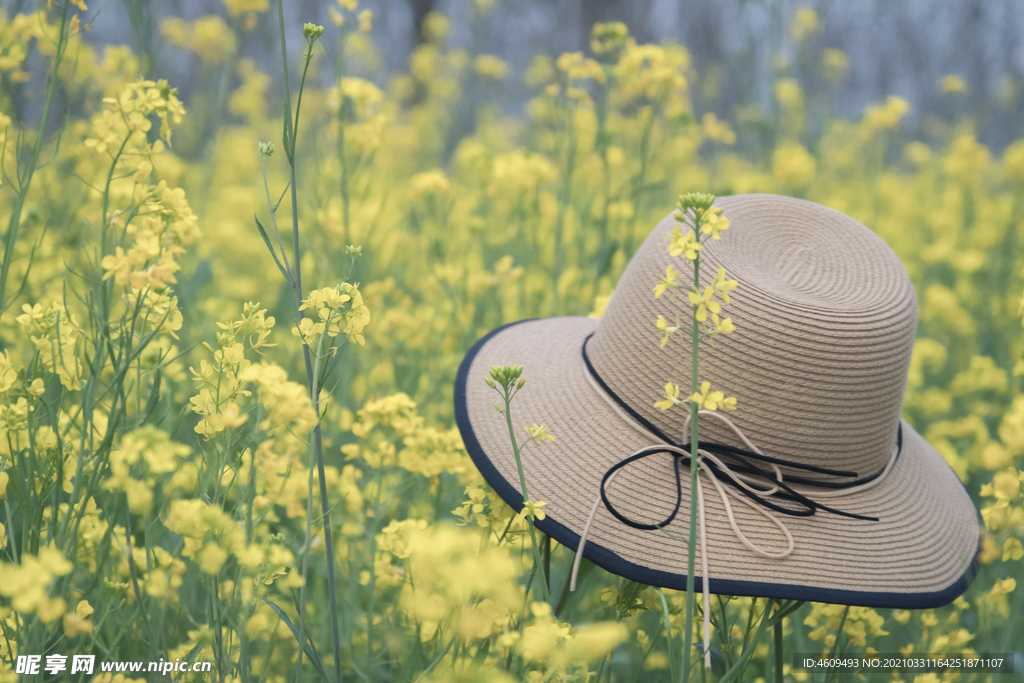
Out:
{"x": 925, "y": 52}
{"x": 486, "y": 161}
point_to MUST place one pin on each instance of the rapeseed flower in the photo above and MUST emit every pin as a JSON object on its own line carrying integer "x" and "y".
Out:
{"x": 667, "y": 282}
{"x": 532, "y": 510}
{"x": 704, "y": 303}
{"x": 671, "y": 393}
{"x": 687, "y": 244}
{"x": 705, "y": 399}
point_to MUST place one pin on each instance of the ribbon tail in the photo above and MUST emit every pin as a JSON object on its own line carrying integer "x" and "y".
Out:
{"x": 583, "y": 540}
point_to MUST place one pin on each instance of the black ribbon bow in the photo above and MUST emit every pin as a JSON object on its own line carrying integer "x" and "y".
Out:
{"x": 745, "y": 462}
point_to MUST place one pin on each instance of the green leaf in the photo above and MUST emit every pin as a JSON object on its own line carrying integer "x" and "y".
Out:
{"x": 310, "y": 652}
{"x": 718, "y": 661}
{"x": 481, "y": 654}
{"x": 436, "y": 661}
{"x": 287, "y": 135}
{"x": 266, "y": 240}
{"x": 154, "y": 395}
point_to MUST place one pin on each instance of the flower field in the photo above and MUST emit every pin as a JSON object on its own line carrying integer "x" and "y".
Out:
{"x": 181, "y": 277}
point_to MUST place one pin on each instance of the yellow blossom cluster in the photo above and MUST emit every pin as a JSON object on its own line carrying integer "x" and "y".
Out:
{"x": 26, "y": 583}
{"x": 54, "y": 332}
{"x": 857, "y": 624}
{"x": 138, "y": 498}
{"x": 337, "y": 310}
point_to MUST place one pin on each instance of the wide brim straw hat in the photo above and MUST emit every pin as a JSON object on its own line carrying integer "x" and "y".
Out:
{"x": 826, "y": 317}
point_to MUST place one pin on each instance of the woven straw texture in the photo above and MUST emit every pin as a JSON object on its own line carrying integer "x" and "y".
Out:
{"x": 825, "y": 317}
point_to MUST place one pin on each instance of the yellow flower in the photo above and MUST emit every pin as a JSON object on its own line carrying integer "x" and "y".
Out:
{"x": 901, "y": 615}
{"x": 793, "y": 165}
{"x": 953, "y": 83}
{"x": 430, "y": 183}
{"x": 713, "y": 223}
{"x": 37, "y": 388}
{"x": 539, "y": 433}
{"x": 712, "y": 400}
{"x": 805, "y": 23}
{"x": 714, "y": 129}
{"x": 236, "y": 7}
{"x": 597, "y": 640}
{"x": 532, "y": 510}
{"x": 490, "y": 66}
{"x": 212, "y": 558}
{"x": 8, "y": 372}
{"x": 1012, "y": 550}
{"x": 722, "y": 287}
{"x": 75, "y": 623}
{"x": 704, "y": 303}
{"x": 1003, "y": 587}
{"x": 687, "y": 244}
{"x": 671, "y": 397}
{"x": 667, "y": 282}
{"x": 886, "y": 114}
{"x": 308, "y": 330}
{"x": 722, "y": 327}
{"x": 666, "y": 329}
{"x": 4, "y": 478}
{"x": 365, "y": 20}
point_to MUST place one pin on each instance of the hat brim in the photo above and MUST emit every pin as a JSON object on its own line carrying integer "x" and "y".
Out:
{"x": 921, "y": 553}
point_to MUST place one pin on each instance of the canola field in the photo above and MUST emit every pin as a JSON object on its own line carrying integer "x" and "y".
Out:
{"x": 179, "y": 278}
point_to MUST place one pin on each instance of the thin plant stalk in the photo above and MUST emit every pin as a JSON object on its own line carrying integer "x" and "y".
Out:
{"x": 307, "y": 546}
{"x": 668, "y": 637}
{"x": 692, "y": 543}
{"x": 778, "y": 652}
{"x": 537, "y": 561}
{"x": 564, "y": 197}
{"x": 291, "y": 131}
{"x": 25, "y": 178}
{"x": 341, "y": 69}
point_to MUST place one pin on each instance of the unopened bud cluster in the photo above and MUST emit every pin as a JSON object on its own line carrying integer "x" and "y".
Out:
{"x": 311, "y": 31}
{"x": 506, "y": 376}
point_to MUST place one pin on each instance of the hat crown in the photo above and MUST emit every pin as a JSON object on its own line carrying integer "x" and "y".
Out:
{"x": 825, "y": 319}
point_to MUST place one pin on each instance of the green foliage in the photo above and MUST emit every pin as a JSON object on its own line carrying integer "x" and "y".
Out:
{"x": 160, "y": 477}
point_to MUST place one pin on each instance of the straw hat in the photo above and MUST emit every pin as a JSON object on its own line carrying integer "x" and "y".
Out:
{"x": 825, "y": 316}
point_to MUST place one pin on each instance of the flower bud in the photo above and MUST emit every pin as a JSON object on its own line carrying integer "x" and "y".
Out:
{"x": 698, "y": 201}
{"x": 266, "y": 148}
{"x": 311, "y": 31}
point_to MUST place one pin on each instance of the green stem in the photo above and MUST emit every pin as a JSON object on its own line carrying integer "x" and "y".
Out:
{"x": 217, "y": 115}
{"x": 273, "y": 219}
{"x": 778, "y": 652}
{"x": 692, "y": 543}
{"x": 526, "y": 496}
{"x": 284, "y": 55}
{"x": 312, "y": 380}
{"x": 342, "y": 68}
{"x": 564, "y": 196}
{"x": 298, "y": 102}
{"x": 736, "y": 670}
{"x": 668, "y": 638}
{"x": 305, "y": 562}
{"x": 25, "y": 180}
